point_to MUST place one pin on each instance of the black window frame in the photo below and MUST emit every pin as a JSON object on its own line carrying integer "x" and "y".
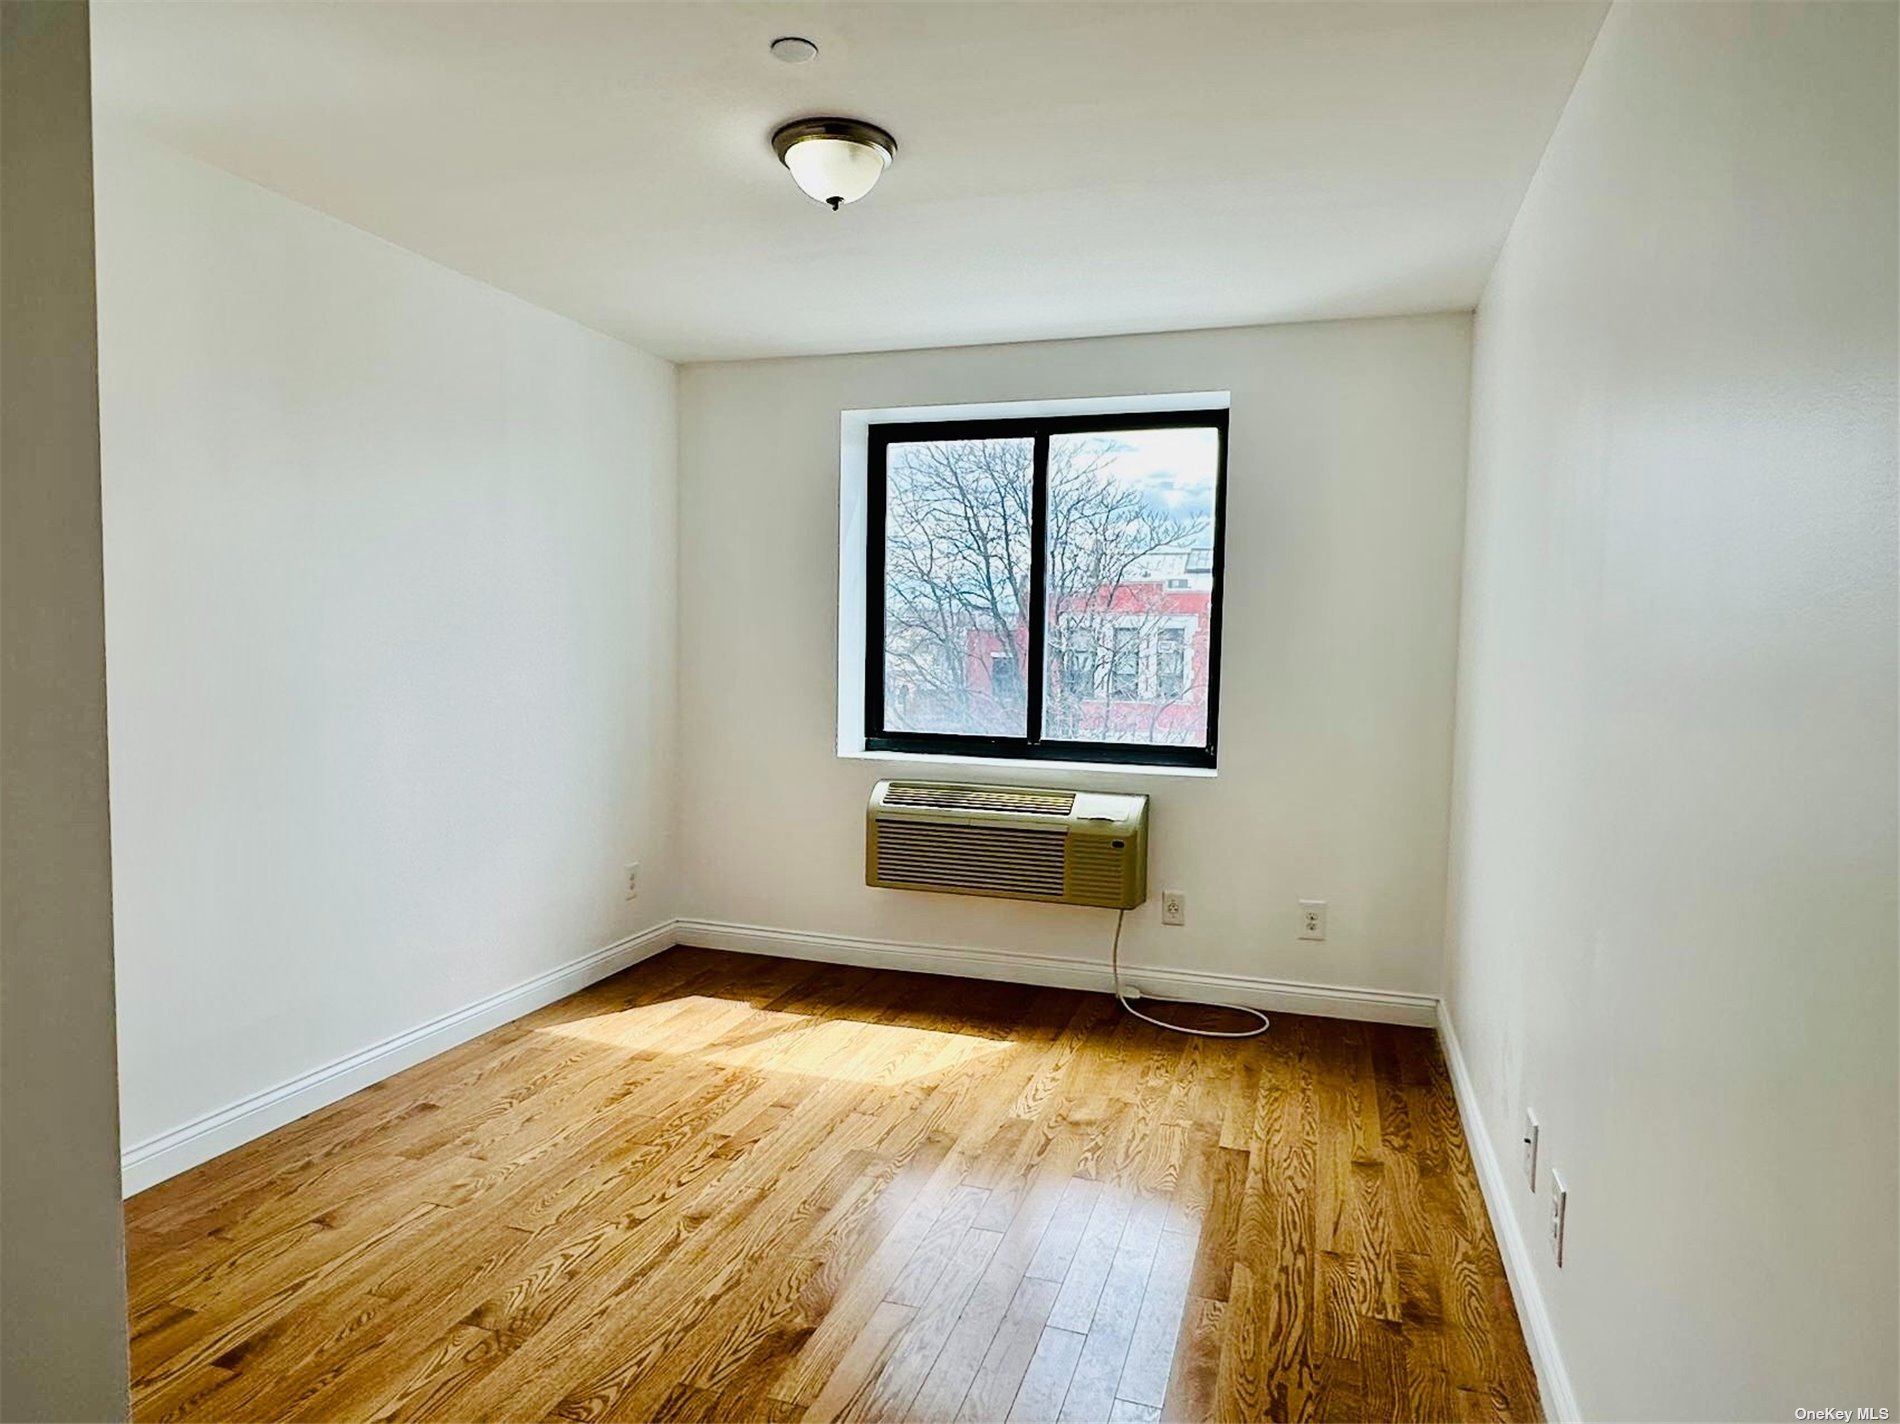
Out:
{"x": 1032, "y": 746}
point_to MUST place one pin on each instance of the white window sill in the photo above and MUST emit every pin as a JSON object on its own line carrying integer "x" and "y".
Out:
{"x": 1092, "y": 768}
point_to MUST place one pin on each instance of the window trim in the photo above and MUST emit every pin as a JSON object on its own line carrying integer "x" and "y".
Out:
{"x": 880, "y": 436}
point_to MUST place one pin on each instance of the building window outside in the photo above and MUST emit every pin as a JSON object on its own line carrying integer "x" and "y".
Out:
{"x": 1124, "y": 675}
{"x": 1170, "y": 663}
{"x": 1078, "y": 669}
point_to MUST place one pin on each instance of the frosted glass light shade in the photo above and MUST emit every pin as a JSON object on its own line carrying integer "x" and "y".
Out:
{"x": 835, "y": 170}
{"x": 835, "y": 161}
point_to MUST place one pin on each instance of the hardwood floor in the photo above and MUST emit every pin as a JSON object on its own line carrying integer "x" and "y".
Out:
{"x": 719, "y": 1187}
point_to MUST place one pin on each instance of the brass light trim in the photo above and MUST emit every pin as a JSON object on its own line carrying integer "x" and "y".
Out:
{"x": 850, "y": 130}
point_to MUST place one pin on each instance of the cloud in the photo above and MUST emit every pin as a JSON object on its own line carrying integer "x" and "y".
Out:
{"x": 1173, "y": 468}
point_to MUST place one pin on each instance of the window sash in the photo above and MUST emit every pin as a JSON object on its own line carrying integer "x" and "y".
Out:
{"x": 1038, "y": 670}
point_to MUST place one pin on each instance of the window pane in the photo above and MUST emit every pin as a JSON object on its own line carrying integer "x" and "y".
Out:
{"x": 956, "y": 586}
{"x": 1131, "y": 585}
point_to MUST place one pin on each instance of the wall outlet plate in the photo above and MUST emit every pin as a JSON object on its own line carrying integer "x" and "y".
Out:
{"x": 632, "y": 882}
{"x": 1531, "y": 1135}
{"x": 1312, "y": 919}
{"x": 1173, "y": 907}
{"x": 1559, "y": 1207}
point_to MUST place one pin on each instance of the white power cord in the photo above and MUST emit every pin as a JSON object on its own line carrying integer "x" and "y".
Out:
{"x": 1115, "y": 969}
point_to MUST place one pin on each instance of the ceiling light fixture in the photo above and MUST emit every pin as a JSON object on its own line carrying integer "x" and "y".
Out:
{"x": 836, "y": 161}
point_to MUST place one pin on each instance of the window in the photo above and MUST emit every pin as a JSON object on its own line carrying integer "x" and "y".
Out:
{"x": 1005, "y": 685}
{"x": 1046, "y": 587}
{"x": 1170, "y": 663}
{"x": 1078, "y": 665}
{"x": 1124, "y": 673}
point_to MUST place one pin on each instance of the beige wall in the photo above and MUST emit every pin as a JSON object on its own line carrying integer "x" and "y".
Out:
{"x": 62, "y": 1273}
{"x": 1673, "y": 889}
{"x": 389, "y": 615}
{"x": 1345, "y": 514}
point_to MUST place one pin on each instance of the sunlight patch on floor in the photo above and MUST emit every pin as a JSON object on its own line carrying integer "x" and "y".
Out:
{"x": 738, "y": 1035}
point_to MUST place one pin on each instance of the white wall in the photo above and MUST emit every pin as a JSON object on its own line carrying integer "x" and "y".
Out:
{"x": 1345, "y": 515}
{"x": 62, "y": 1259}
{"x": 1673, "y": 920}
{"x": 390, "y": 615}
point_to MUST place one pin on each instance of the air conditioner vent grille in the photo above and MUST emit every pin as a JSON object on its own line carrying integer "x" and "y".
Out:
{"x": 993, "y": 859}
{"x": 1015, "y": 842}
{"x": 980, "y": 798}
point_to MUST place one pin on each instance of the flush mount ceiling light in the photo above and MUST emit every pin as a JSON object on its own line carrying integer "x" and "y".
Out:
{"x": 836, "y": 161}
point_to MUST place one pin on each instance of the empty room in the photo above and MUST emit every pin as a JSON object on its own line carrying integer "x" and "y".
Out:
{"x": 1022, "y": 711}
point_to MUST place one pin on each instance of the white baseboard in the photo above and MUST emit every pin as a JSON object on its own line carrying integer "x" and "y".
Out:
{"x": 153, "y": 1160}
{"x": 1553, "y": 1380}
{"x": 1061, "y": 972}
{"x": 203, "y": 1138}
{"x": 149, "y": 1162}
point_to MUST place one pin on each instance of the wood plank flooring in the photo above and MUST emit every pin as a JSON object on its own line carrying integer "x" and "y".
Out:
{"x": 721, "y": 1187}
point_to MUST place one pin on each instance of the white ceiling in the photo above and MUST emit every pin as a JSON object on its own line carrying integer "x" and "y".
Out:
{"x": 1063, "y": 169}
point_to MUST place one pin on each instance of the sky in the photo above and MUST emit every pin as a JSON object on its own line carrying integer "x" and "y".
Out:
{"x": 1173, "y": 467}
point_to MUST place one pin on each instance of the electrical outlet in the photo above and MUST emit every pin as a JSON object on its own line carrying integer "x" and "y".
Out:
{"x": 1530, "y": 1148}
{"x": 1559, "y": 1205}
{"x": 1173, "y": 907}
{"x": 1312, "y": 919}
{"x": 633, "y": 880}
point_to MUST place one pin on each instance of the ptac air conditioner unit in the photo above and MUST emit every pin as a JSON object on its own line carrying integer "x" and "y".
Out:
{"x": 1018, "y": 842}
